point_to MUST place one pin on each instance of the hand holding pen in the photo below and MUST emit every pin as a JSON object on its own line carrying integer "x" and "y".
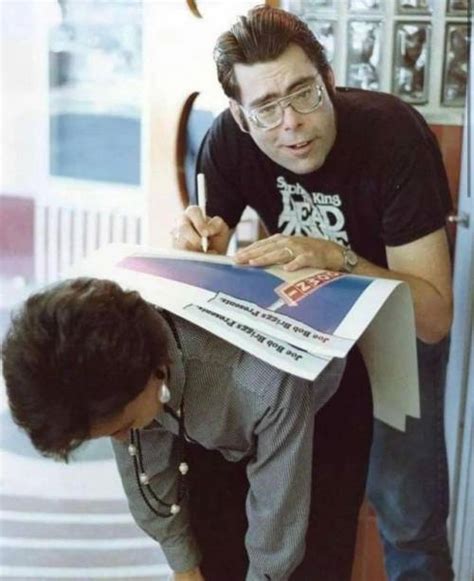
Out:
{"x": 197, "y": 232}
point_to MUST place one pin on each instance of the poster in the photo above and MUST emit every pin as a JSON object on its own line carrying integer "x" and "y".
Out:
{"x": 294, "y": 321}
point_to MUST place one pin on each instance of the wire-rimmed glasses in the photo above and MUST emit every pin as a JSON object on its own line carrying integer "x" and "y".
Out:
{"x": 305, "y": 100}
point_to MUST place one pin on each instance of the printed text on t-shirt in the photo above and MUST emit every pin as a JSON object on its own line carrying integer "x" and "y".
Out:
{"x": 314, "y": 214}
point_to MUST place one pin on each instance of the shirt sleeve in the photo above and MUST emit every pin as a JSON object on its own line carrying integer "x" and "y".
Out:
{"x": 160, "y": 458}
{"x": 280, "y": 483}
{"x": 416, "y": 193}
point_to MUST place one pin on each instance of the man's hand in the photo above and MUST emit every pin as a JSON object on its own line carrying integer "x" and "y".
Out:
{"x": 423, "y": 264}
{"x": 191, "y": 575}
{"x": 294, "y": 252}
{"x": 192, "y": 226}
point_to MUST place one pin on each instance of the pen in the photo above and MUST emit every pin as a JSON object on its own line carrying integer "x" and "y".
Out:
{"x": 201, "y": 194}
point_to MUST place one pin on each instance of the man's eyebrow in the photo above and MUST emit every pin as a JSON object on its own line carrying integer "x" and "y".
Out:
{"x": 264, "y": 99}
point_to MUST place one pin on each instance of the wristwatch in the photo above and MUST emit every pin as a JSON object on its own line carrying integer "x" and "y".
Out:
{"x": 350, "y": 259}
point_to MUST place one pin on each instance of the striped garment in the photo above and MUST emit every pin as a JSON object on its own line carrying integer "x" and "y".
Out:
{"x": 244, "y": 408}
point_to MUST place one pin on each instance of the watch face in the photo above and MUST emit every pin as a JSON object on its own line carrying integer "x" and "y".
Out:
{"x": 352, "y": 258}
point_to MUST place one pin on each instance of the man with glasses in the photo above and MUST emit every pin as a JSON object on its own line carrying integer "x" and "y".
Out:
{"x": 351, "y": 181}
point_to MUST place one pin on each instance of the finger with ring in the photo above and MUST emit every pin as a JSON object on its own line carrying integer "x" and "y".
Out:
{"x": 291, "y": 254}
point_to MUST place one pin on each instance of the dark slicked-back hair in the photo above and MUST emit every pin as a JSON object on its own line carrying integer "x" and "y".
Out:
{"x": 75, "y": 354}
{"x": 261, "y": 36}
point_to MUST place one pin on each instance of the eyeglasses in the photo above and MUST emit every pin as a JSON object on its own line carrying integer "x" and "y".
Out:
{"x": 269, "y": 116}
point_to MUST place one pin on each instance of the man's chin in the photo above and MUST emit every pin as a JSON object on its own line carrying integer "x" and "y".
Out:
{"x": 301, "y": 166}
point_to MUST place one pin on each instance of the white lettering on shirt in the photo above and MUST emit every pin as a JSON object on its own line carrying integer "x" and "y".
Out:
{"x": 314, "y": 214}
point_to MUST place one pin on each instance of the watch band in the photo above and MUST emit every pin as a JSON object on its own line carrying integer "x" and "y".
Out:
{"x": 350, "y": 259}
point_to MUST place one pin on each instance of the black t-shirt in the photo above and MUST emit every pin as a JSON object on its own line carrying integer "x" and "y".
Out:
{"x": 382, "y": 184}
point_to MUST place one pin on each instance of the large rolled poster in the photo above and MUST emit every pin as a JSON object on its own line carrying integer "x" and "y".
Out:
{"x": 295, "y": 321}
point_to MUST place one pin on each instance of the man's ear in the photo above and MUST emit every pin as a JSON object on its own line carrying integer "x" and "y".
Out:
{"x": 238, "y": 116}
{"x": 331, "y": 79}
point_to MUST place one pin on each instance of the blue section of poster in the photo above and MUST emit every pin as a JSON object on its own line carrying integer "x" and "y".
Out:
{"x": 249, "y": 284}
{"x": 323, "y": 309}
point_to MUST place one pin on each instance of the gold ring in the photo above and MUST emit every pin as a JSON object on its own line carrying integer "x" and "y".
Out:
{"x": 290, "y": 252}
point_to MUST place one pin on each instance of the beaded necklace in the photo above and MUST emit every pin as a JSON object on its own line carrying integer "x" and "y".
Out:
{"x": 135, "y": 451}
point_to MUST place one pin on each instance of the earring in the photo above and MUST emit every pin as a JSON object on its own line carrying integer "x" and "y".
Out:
{"x": 164, "y": 394}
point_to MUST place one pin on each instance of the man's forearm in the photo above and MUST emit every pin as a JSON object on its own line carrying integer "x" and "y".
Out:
{"x": 433, "y": 312}
{"x": 423, "y": 264}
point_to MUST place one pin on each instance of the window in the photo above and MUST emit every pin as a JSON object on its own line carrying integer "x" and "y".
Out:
{"x": 95, "y": 91}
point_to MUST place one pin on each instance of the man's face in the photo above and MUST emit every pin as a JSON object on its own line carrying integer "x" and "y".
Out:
{"x": 302, "y": 141}
{"x": 138, "y": 413}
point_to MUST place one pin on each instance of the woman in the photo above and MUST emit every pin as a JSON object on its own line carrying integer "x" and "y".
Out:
{"x": 214, "y": 446}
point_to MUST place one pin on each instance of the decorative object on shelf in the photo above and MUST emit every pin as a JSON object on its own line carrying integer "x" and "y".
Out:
{"x": 457, "y": 7}
{"x": 455, "y": 65}
{"x": 411, "y": 61}
{"x": 364, "y": 5}
{"x": 364, "y": 54}
{"x": 325, "y": 32}
{"x": 414, "y": 6}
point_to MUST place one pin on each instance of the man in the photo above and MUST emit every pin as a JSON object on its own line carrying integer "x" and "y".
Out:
{"x": 85, "y": 359}
{"x": 352, "y": 181}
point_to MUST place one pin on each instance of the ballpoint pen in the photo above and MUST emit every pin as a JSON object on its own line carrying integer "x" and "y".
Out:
{"x": 201, "y": 194}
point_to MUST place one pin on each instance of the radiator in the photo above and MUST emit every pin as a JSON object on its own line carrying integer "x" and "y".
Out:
{"x": 65, "y": 235}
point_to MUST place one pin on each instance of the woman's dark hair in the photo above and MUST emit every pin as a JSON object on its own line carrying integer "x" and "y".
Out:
{"x": 262, "y": 36}
{"x": 77, "y": 353}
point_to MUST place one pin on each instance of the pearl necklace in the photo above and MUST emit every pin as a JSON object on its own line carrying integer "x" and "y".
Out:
{"x": 134, "y": 449}
{"x": 142, "y": 478}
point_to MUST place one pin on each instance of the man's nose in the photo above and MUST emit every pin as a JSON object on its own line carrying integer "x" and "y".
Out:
{"x": 291, "y": 118}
